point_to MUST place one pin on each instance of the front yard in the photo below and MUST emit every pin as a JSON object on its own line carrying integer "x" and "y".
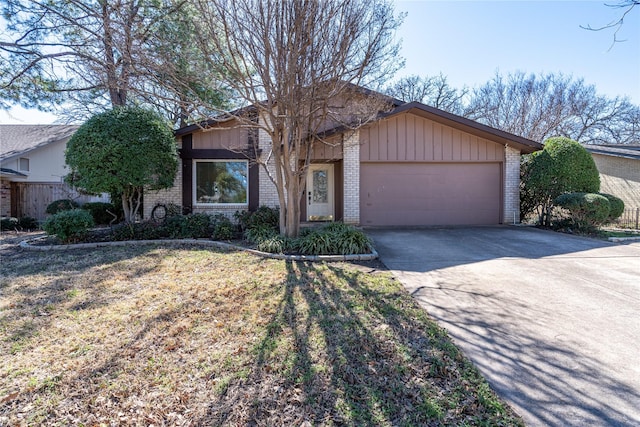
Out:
{"x": 148, "y": 335}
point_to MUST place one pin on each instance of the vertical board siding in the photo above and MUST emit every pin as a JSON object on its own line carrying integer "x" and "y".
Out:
{"x": 329, "y": 150}
{"x": 231, "y": 138}
{"x": 419, "y": 140}
{"x": 428, "y": 139}
{"x": 401, "y": 136}
{"x": 411, "y": 138}
{"x": 392, "y": 140}
{"x": 437, "y": 142}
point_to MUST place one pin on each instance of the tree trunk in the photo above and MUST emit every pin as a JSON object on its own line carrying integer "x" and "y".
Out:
{"x": 293, "y": 209}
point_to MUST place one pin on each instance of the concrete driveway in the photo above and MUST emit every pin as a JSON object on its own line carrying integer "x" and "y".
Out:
{"x": 551, "y": 320}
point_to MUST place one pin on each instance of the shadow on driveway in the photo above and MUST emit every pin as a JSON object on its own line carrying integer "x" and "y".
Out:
{"x": 551, "y": 320}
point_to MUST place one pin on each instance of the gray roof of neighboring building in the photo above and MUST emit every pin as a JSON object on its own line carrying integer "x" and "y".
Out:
{"x": 628, "y": 151}
{"x": 20, "y": 139}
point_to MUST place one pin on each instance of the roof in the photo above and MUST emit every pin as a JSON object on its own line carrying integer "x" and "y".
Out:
{"x": 627, "y": 151}
{"x": 523, "y": 144}
{"x": 17, "y": 140}
{"x": 11, "y": 173}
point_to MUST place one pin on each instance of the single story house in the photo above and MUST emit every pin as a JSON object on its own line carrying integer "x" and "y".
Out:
{"x": 414, "y": 166}
{"x": 32, "y": 169}
{"x": 619, "y": 167}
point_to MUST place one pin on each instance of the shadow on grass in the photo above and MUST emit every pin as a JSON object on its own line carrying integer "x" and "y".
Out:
{"x": 340, "y": 351}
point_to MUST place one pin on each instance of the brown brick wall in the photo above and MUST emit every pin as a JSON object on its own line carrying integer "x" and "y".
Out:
{"x": 621, "y": 177}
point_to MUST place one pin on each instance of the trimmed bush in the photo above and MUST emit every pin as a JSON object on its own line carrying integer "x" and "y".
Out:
{"x": 69, "y": 225}
{"x": 587, "y": 210}
{"x": 264, "y": 216}
{"x": 9, "y": 224}
{"x": 100, "y": 212}
{"x": 27, "y": 223}
{"x": 563, "y": 166}
{"x": 61, "y": 205}
{"x": 616, "y": 206}
{"x": 223, "y": 228}
{"x": 138, "y": 231}
{"x": 196, "y": 226}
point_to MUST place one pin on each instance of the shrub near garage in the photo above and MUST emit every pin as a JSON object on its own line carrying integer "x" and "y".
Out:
{"x": 616, "y": 206}
{"x": 587, "y": 210}
{"x": 69, "y": 225}
{"x": 563, "y": 166}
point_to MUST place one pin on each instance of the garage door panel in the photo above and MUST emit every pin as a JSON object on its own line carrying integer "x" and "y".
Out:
{"x": 430, "y": 194}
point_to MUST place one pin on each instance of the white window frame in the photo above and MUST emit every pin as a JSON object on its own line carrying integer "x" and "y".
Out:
{"x": 222, "y": 205}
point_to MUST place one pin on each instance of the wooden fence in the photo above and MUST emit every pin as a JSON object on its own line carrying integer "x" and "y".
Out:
{"x": 32, "y": 199}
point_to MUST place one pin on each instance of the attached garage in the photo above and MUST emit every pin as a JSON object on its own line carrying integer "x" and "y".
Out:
{"x": 430, "y": 193}
{"x": 420, "y": 167}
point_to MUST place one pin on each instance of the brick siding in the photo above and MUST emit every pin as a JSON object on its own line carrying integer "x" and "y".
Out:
{"x": 351, "y": 179}
{"x": 621, "y": 177}
{"x": 170, "y": 195}
{"x": 268, "y": 191}
{"x": 511, "y": 209}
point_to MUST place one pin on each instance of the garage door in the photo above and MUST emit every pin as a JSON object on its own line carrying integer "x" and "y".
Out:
{"x": 430, "y": 194}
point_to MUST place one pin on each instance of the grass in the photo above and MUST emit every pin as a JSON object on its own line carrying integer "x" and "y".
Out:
{"x": 606, "y": 233}
{"x": 186, "y": 336}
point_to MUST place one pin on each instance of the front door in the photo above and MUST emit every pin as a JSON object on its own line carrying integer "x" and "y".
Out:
{"x": 320, "y": 192}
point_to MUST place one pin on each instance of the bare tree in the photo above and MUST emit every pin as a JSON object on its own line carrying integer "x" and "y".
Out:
{"x": 627, "y": 6}
{"x": 296, "y": 62}
{"x": 90, "y": 55}
{"x": 539, "y": 107}
{"x": 431, "y": 90}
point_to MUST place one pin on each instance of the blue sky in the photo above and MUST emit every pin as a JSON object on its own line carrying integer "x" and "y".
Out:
{"x": 468, "y": 41}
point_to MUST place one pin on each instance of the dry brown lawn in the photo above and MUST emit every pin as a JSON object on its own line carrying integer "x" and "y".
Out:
{"x": 151, "y": 335}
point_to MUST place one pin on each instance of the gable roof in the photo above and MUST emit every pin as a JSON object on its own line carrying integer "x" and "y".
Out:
{"x": 627, "y": 151}
{"x": 462, "y": 123}
{"x": 18, "y": 140}
{"x": 467, "y": 125}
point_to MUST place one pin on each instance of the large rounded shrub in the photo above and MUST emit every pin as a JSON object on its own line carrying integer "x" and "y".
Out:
{"x": 69, "y": 225}
{"x": 563, "y": 166}
{"x": 574, "y": 169}
{"x": 123, "y": 151}
{"x": 587, "y": 210}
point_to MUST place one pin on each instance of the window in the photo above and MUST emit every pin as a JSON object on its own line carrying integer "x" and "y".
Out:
{"x": 219, "y": 182}
{"x": 23, "y": 164}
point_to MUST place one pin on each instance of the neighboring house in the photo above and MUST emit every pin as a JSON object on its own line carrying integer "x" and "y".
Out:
{"x": 619, "y": 167}
{"x": 32, "y": 168}
{"x": 414, "y": 166}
